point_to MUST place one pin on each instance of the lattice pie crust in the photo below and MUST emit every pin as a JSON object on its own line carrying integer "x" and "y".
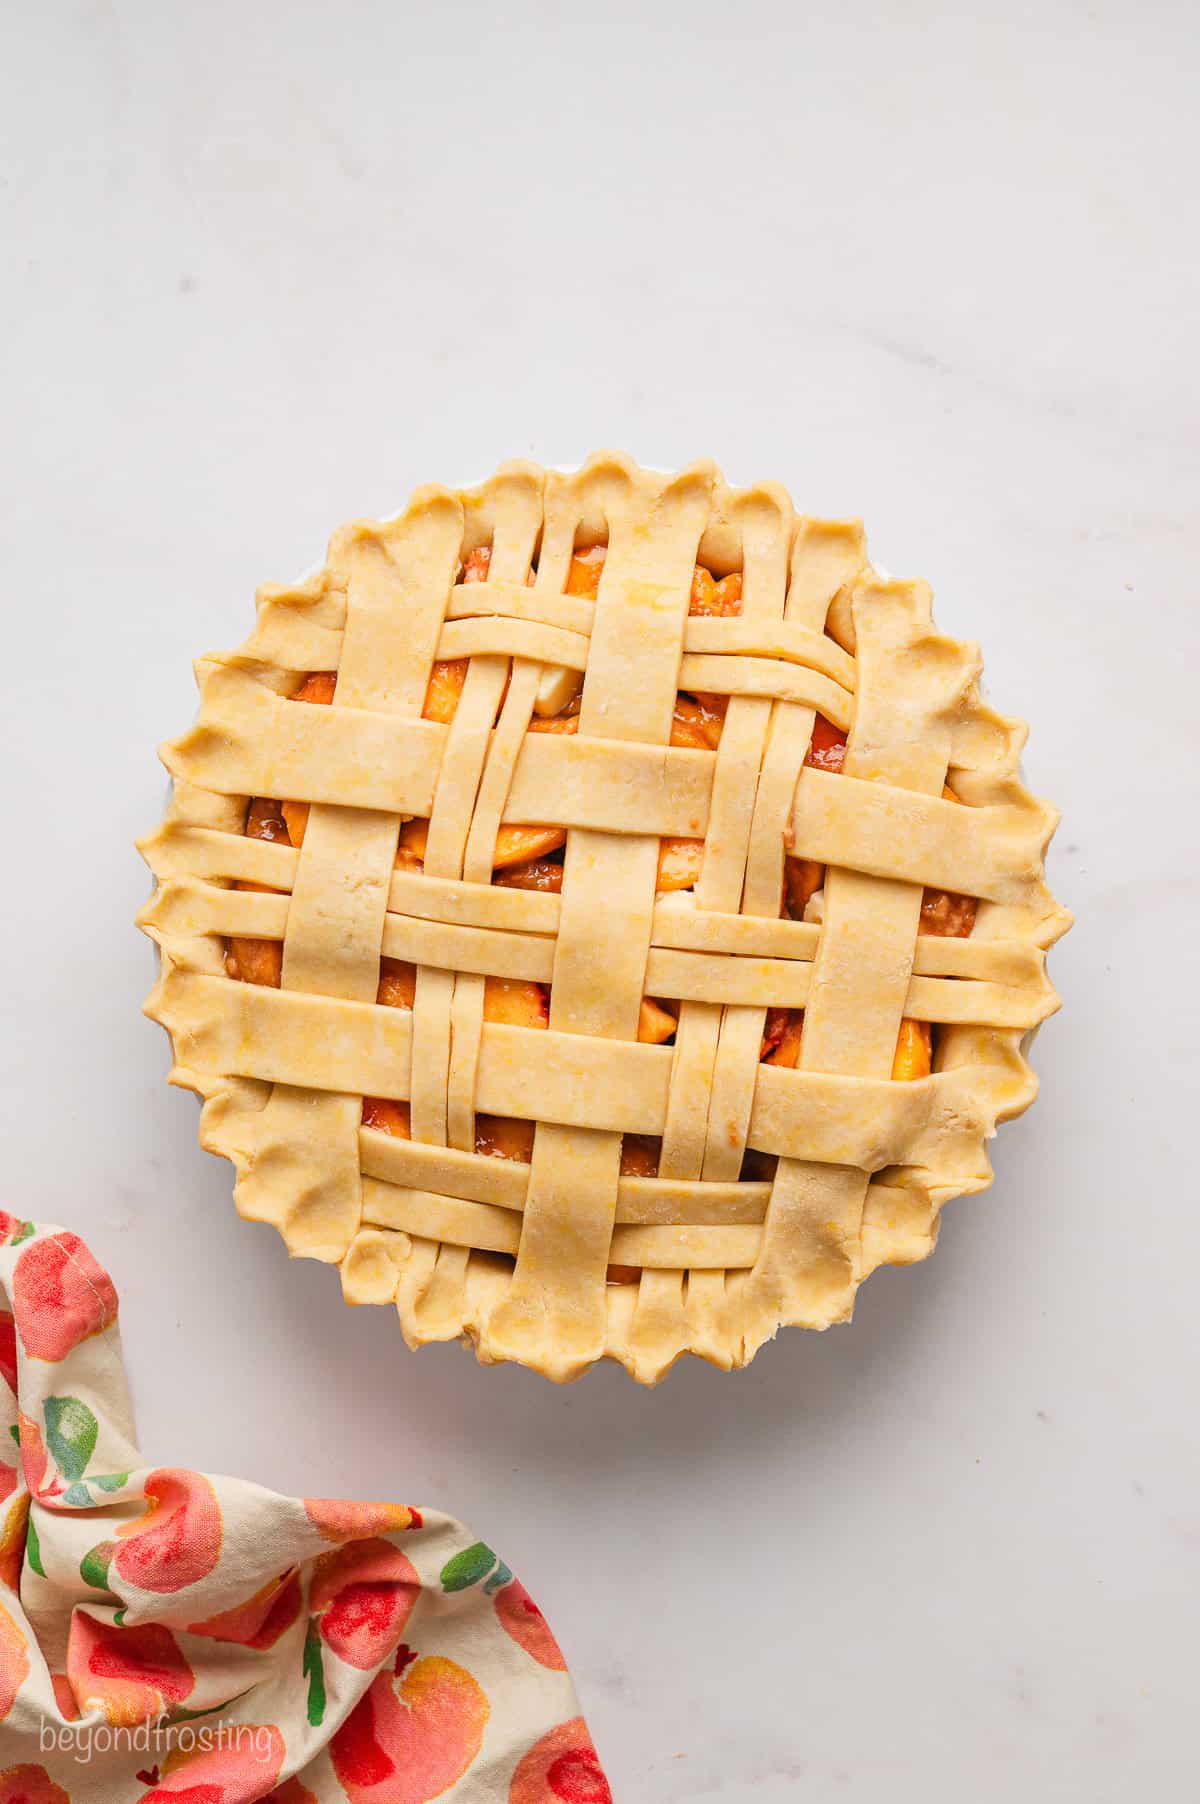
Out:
{"x": 848, "y": 1169}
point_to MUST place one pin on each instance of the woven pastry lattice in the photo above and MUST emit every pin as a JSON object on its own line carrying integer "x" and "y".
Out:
{"x": 775, "y": 1190}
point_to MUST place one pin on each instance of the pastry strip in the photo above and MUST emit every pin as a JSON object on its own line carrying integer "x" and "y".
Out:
{"x": 799, "y": 626}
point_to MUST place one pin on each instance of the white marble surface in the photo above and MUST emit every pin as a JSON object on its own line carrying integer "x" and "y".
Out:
{"x": 269, "y": 267}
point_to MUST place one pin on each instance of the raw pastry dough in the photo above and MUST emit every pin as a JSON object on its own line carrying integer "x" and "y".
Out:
{"x": 777, "y": 1189}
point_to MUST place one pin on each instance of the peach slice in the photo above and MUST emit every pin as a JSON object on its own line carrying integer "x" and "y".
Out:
{"x": 561, "y": 1768}
{"x": 260, "y": 961}
{"x": 773, "y": 1028}
{"x": 318, "y": 686}
{"x": 397, "y": 983}
{"x": 685, "y": 731}
{"x": 944, "y": 913}
{"x": 520, "y": 845}
{"x": 177, "y": 1541}
{"x": 295, "y": 819}
{"x": 132, "y": 1674}
{"x": 520, "y": 1617}
{"x": 679, "y": 862}
{"x": 412, "y": 1735}
{"x": 504, "y": 1137}
{"x": 656, "y": 1024}
{"x": 265, "y": 820}
{"x": 914, "y": 1051}
{"x": 445, "y": 689}
{"x": 387, "y": 1117}
{"x": 696, "y": 727}
{"x": 802, "y": 878}
{"x": 414, "y": 837}
{"x": 948, "y": 915}
{"x": 478, "y": 564}
{"x": 542, "y": 874}
{"x": 640, "y": 1154}
{"x": 827, "y": 747}
{"x": 587, "y": 567}
{"x": 60, "y": 1297}
{"x": 256, "y": 961}
{"x": 712, "y": 597}
{"x": 716, "y": 705}
{"x": 515, "y": 1002}
{"x": 781, "y": 1040}
{"x": 514, "y": 845}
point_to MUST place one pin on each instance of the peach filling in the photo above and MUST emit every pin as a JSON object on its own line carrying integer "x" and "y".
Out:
{"x": 942, "y": 913}
{"x": 530, "y": 858}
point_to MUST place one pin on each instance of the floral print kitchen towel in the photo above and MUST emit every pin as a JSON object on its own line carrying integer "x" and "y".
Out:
{"x": 169, "y": 1635}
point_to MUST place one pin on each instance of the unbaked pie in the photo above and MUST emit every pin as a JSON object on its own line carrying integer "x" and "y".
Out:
{"x": 601, "y": 916}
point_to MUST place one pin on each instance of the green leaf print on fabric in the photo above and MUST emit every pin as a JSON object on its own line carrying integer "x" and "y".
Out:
{"x": 33, "y": 1551}
{"x": 501, "y": 1577}
{"x": 154, "y": 1592}
{"x": 93, "y": 1568}
{"x": 71, "y": 1433}
{"x": 181, "y": 1715}
{"x": 468, "y": 1567}
{"x": 314, "y": 1672}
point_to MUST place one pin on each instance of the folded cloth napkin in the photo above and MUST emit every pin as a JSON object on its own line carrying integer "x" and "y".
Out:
{"x": 167, "y": 1635}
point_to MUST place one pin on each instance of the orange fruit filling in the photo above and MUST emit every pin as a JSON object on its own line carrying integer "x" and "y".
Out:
{"x": 524, "y": 858}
